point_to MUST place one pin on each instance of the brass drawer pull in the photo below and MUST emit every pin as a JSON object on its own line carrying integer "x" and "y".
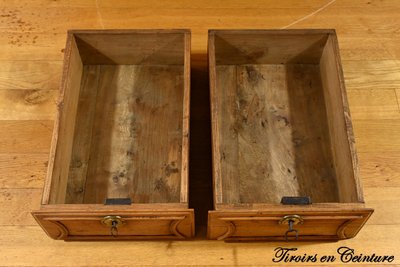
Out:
{"x": 113, "y": 222}
{"x": 291, "y": 220}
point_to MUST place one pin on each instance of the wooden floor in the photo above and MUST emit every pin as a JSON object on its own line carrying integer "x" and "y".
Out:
{"x": 31, "y": 51}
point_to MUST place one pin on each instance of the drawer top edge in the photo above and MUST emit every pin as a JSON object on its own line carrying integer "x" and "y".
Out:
{"x": 105, "y": 208}
{"x": 270, "y": 208}
{"x": 273, "y": 31}
{"x": 128, "y": 31}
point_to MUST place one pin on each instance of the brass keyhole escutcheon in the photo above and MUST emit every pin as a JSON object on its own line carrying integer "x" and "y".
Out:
{"x": 291, "y": 220}
{"x": 113, "y": 222}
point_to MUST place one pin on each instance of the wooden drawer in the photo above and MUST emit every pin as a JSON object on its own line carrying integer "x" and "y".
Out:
{"x": 281, "y": 127}
{"x": 121, "y": 136}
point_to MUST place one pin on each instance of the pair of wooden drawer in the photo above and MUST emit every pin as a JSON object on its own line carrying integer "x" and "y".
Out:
{"x": 118, "y": 165}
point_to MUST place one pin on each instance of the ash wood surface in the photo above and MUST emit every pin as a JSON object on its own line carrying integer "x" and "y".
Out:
{"x": 275, "y": 141}
{"x": 78, "y": 168}
{"x": 340, "y": 125}
{"x": 277, "y": 47}
{"x": 60, "y": 156}
{"x": 124, "y": 133}
{"x": 368, "y": 39}
{"x": 143, "y": 48}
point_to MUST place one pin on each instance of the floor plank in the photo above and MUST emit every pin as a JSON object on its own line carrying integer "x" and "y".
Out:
{"x": 377, "y": 135}
{"x": 380, "y": 169}
{"x": 28, "y": 104}
{"x": 373, "y": 104}
{"x": 47, "y": 3}
{"x": 23, "y": 46}
{"x": 46, "y": 19}
{"x": 378, "y": 239}
{"x": 23, "y": 170}
{"x": 19, "y": 136}
{"x": 185, "y": 4}
{"x": 18, "y": 204}
{"x": 383, "y": 200}
{"x": 36, "y": 75}
{"x": 365, "y": 46}
{"x": 382, "y": 74}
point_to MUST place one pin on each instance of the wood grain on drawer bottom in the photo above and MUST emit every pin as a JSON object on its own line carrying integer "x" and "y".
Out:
{"x": 264, "y": 225}
{"x": 136, "y": 225}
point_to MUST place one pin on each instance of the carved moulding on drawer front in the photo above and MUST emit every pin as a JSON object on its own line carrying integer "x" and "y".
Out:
{"x": 174, "y": 227}
{"x": 342, "y": 228}
{"x": 230, "y": 229}
{"x": 63, "y": 231}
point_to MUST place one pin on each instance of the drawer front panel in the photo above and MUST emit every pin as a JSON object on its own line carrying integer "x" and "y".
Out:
{"x": 273, "y": 228}
{"x": 160, "y": 225}
{"x": 264, "y": 225}
{"x": 131, "y": 226}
